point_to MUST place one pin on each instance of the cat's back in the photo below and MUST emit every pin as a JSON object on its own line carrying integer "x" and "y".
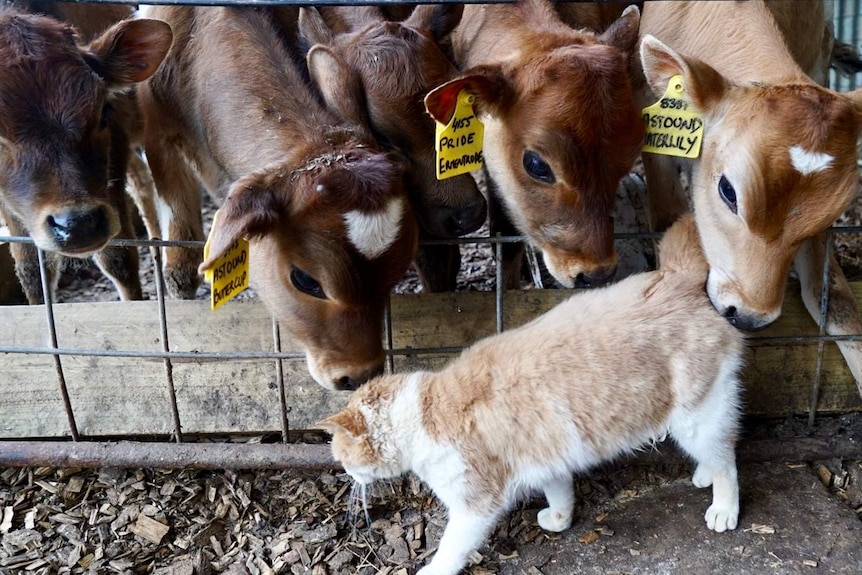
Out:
{"x": 607, "y": 366}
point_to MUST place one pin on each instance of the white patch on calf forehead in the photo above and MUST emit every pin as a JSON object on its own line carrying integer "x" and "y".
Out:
{"x": 373, "y": 232}
{"x": 809, "y": 162}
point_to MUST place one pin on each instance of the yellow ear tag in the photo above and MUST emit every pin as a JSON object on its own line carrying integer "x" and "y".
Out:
{"x": 229, "y": 274}
{"x": 459, "y": 143}
{"x": 673, "y": 126}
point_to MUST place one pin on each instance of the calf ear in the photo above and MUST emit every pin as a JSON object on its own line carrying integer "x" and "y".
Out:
{"x": 130, "y": 51}
{"x": 439, "y": 19}
{"x": 250, "y": 210}
{"x": 313, "y": 27}
{"x": 486, "y": 83}
{"x": 623, "y": 33}
{"x": 341, "y": 88}
{"x": 703, "y": 85}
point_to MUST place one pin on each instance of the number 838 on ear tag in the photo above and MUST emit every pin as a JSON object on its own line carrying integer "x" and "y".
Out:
{"x": 673, "y": 126}
{"x": 459, "y": 143}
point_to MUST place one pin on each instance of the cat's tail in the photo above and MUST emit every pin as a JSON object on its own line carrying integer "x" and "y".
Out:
{"x": 680, "y": 249}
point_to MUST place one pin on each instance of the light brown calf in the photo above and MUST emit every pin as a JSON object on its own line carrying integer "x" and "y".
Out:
{"x": 325, "y": 211}
{"x": 778, "y": 163}
{"x": 64, "y": 144}
{"x": 561, "y": 127}
{"x": 390, "y": 66}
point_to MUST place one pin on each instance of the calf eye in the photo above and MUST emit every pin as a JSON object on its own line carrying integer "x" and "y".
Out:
{"x": 727, "y": 193}
{"x": 306, "y": 284}
{"x": 537, "y": 168}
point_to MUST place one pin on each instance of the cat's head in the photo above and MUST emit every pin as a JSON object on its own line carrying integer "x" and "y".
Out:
{"x": 364, "y": 440}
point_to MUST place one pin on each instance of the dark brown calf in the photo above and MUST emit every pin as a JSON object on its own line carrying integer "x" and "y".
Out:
{"x": 63, "y": 146}
{"x": 390, "y": 66}
{"x": 326, "y": 214}
{"x": 561, "y": 126}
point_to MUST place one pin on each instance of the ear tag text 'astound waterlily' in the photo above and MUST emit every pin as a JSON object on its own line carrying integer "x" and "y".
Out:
{"x": 459, "y": 143}
{"x": 228, "y": 276}
{"x": 673, "y": 126}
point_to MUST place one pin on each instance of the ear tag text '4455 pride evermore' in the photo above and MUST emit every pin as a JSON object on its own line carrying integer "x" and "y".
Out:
{"x": 459, "y": 143}
{"x": 673, "y": 127}
{"x": 228, "y": 276}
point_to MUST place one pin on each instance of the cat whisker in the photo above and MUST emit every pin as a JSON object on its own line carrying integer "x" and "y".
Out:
{"x": 365, "y": 506}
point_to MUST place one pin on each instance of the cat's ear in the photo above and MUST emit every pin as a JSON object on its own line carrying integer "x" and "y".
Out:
{"x": 349, "y": 420}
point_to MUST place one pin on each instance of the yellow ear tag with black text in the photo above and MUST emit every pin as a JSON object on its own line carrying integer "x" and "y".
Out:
{"x": 673, "y": 126}
{"x": 229, "y": 274}
{"x": 459, "y": 143}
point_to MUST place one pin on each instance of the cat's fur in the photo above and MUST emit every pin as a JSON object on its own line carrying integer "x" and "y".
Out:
{"x": 600, "y": 375}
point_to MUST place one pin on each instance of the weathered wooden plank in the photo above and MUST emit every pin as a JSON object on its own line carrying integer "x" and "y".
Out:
{"x": 128, "y": 396}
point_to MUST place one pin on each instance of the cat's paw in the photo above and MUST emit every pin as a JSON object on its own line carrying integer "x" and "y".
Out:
{"x": 554, "y": 521}
{"x": 702, "y": 476}
{"x": 720, "y": 518}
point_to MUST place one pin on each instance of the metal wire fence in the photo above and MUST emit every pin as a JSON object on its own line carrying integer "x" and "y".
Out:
{"x": 179, "y": 452}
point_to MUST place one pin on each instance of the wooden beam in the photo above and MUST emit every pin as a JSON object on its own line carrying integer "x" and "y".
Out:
{"x": 128, "y": 396}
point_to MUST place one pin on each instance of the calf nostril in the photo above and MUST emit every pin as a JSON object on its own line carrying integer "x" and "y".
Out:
{"x": 79, "y": 228}
{"x": 348, "y": 383}
{"x": 731, "y": 315}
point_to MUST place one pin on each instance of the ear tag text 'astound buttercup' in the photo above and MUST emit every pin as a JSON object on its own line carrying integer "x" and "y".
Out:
{"x": 459, "y": 143}
{"x": 228, "y": 276}
{"x": 673, "y": 126}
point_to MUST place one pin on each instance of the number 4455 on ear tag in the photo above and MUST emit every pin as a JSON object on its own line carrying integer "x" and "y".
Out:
{"x": 673, "y": 126}
{"x": 459, "y": 143}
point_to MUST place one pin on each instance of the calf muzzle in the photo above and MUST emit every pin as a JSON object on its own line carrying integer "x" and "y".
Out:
{"x": 79, "y": 229}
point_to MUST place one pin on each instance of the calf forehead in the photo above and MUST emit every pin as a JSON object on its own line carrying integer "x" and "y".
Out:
{"x": 582, "y": 92}
{"x": 803, "y": 140}
{"x": 47, "y": 100}
{"x": 395, "y": 57}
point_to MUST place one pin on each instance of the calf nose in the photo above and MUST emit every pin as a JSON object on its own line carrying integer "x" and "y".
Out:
{"x": 349, "y": 383}
{"x": 744, "y": 321}
{"x": 461, "y": 220}
{"x": 77, "y": 228}
{"x": 596, "y": 277}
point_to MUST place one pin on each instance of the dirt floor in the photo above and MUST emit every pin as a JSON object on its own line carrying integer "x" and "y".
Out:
{"x": 797, "y": 517}
{"x": 631, "y": 518}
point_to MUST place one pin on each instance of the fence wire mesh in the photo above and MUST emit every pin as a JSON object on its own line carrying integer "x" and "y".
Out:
{"x": 160, "y": 454}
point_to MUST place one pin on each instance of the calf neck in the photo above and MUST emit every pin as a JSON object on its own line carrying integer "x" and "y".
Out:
{"x": 325, "y": 212}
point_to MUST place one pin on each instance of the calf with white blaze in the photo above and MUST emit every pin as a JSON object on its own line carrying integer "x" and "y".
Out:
{"x": 325, "y": 211}
{"x": 390, "y": 66}
{"x": 779, "y": 157}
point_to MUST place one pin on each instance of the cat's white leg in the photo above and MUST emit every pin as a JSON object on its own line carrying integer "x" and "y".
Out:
{"x": 561, "y": 499}
{"x": 702, "y": 476}
{"x": 708, "y": 434}
{"x": 465, "y": 532}
{"x": 723, "y": 514}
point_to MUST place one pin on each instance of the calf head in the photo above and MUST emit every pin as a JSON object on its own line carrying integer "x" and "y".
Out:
{"x": 389, "y": 67}
{"x": 561, "y": 129}
{"x": 329, "y": 240}
{"x": 56, "y": 125}
{"x": 777, "y": 166}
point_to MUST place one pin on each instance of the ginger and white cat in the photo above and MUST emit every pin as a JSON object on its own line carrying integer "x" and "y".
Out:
{"x": 600, "y": 375}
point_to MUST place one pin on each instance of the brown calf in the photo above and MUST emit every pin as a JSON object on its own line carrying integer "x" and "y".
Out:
{"x": 393, "y": 65}
{"x": 63, "y": 140}
{"x": 330, "y": 228}
{"x": 561, "y": 126}
{"x": 778, "y": 163}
